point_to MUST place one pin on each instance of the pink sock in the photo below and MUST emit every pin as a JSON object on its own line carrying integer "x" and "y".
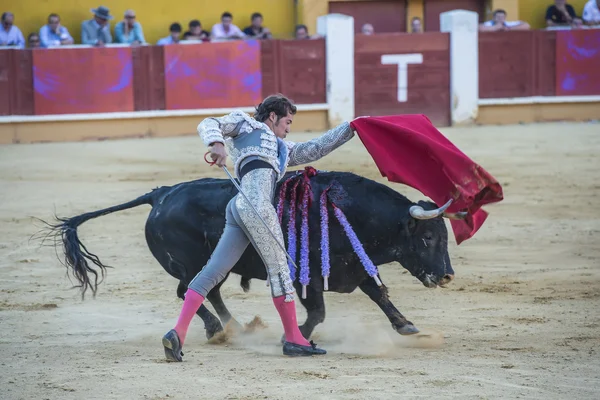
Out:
{"x": 191, "y": 304}
{"x": 287, "y": 313}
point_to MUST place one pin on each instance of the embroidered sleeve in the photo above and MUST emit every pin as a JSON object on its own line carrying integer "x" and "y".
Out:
{"x": 303, "y": 153}
{"x": 216, "y": 129}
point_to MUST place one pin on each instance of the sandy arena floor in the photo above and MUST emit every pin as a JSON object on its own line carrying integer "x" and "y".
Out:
{"x": 521, "y": 319}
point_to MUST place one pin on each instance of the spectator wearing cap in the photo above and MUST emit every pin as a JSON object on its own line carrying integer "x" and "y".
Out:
{"x": 54, "y": 34}
{"x": 96, "y": 31}
{"x": 33, "y": 40}
{"x": 226, "y": 29}
{"x": 10, "y": 35}
{"x": 591, "y": 12}
{"x": 196, "y": 32}
{"x": 560, "y": 14}
{"x": 173, "y": 38}
{"x": 256, "y": 30}
{"x": 129, "y": 31}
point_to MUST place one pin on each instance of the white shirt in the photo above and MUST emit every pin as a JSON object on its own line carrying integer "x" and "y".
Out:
{"x": 591, "y": 13}
{"x": 509, "y": 24}
{"x": 218, "y": 32}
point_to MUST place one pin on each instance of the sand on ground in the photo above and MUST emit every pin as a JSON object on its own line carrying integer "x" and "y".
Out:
{"x": 521, "y": 319}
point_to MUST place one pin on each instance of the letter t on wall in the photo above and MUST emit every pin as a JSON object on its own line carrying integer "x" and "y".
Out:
{"x": 402, "y": 60}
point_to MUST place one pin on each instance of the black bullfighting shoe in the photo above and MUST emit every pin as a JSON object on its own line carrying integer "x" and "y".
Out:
{"x": 295, "y": 350}
{"x": 172, "y": 346}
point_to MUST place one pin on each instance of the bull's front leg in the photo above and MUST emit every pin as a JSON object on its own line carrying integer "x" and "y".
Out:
{"x": 214, "y": 296}
{"x": 379, "y": 295}
{"x": 315, "y": 309}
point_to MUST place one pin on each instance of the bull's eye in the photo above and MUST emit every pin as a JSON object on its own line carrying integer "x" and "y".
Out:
{"x": 428, "y": 236}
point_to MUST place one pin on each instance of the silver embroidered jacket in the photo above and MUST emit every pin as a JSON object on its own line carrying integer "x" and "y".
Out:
{"x": 246, "y": 138}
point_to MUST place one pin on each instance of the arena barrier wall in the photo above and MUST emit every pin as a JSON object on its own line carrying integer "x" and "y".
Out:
{"x": 455, "y": 76}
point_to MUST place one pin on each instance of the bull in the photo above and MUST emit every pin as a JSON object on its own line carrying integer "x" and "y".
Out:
{"x": 187, "y": 220}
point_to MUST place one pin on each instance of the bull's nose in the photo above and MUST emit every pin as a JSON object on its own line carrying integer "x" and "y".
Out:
{"x": 447, "y": 278}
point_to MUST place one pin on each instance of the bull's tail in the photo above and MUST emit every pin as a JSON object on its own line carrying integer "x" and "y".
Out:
{"x": 76, "y": 255}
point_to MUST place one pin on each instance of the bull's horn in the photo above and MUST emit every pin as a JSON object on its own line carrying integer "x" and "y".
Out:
{"x": 458, "y": 215}
{"x": 418, "y": 212}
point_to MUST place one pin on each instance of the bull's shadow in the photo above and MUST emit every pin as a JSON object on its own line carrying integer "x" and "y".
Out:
{"x": 187, "y": 220}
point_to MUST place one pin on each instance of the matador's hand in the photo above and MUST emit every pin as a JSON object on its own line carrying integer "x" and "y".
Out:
{"x": 218, "y": 154}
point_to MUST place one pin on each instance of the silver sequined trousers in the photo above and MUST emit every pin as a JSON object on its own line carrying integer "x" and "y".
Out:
{"x": 242, "y": 227}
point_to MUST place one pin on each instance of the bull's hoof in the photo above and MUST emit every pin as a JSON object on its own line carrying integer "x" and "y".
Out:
{"x": 213, "y": 329}
{"x": 408, "y": 329}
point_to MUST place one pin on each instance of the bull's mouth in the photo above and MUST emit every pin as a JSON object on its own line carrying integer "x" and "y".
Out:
{"x": 432, "y": 281}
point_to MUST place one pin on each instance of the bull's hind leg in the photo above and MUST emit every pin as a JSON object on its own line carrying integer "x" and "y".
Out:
{"x": 379, "y": 295}
{"x": 212, "y": 325}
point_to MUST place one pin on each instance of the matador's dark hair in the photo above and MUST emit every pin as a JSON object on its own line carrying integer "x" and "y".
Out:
{"x": 277, "y": 103}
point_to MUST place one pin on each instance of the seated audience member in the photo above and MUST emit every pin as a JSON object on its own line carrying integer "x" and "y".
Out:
{"x": 560, "y": 13}
{"x": 173, "y": 38}
{"x": 10, "y": 35}
{"x": 226, "y": 29}
{"x": 54, "y": 34}
{"x": 195, "y": 32}
{"x": 256, "y": 30}
{"x": 367, "y": 29}
{"x": 302, "y": 33}
{"x": 33, "y": 40}
{"x": 416, "y": 26}
{"x": 591, "y": 12}
{"x": 96, "y": 31}
{"x": 129, "y": 31}
{"x": 499, "y": 23}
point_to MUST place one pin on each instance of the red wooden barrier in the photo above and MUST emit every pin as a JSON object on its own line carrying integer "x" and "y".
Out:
{"x": 302, "y": 70}
{"x": 148, "y": 78}
{"x": 578, "y": 63}
{"x": 427, "y": 87}
{"x": 16, "y": 82}
{"x": 86, "y": 80}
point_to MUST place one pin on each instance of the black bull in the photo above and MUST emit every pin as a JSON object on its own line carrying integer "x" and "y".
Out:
{"x": 187, "y": 220}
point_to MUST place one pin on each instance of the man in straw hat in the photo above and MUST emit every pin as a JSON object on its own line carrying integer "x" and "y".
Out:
{"x": 96, "y": 31}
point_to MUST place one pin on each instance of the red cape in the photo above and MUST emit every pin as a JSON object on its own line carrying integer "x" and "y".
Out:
{"x": 408, "y": 149}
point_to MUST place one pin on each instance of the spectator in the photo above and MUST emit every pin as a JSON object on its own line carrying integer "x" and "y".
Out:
{"x": 499, "y": 23}
{"x": 591, "y": 12}
{"x": 367, "y": 29}
{"x": 53, "y": 34}
{"x": 173, "y": 38}
{"x": 560, "y": 13}
{"x": 416, "y": 26}
{"x": 10, "y": 35}
{"x": 302, "y": 32}
{"x": 256, "y": 30}
{"x": 196, "y": 32}
{"x": 226, "y": 29}
{"x": 33, "y": 40}
{"x": 577, "y": 23}
{"x": 96, "y": 31}
{"x": 129, "y": 31}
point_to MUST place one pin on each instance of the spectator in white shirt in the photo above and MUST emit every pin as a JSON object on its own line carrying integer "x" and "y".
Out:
{"x": 591, "y": 12}
{"x": 226, "y": 29}
{"x": 499, "y": 23}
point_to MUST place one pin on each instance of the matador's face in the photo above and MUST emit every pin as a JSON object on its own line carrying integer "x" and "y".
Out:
{"x": 281, "y": 126}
